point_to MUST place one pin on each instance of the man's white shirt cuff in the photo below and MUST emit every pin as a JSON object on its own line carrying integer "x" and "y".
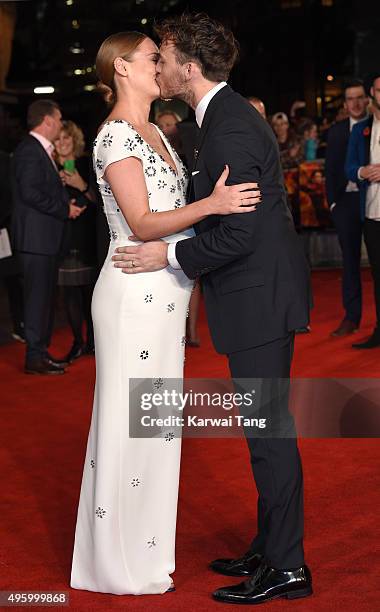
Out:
{"x": 359, "y": 175}
{"x": 173, "y": 262}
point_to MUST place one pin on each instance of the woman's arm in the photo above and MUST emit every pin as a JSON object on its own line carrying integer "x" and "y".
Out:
{"x": 126, "y": 179}
{"x": 74, "y": 179}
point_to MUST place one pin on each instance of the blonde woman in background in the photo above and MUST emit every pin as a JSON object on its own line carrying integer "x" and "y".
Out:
{"x": 78, "y": 271}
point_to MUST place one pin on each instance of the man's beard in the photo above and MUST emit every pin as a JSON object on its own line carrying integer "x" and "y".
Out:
{"x": 180, "y": 91}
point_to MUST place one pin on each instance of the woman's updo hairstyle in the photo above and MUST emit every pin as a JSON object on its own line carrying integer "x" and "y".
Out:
{"x": 122, "y": 44}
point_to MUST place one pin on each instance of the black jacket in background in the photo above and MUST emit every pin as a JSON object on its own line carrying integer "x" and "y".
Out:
{"x": 80, "y": 233}
{"x": 254, "y": 272}
{"x": 337, "y": 144}
{"x": 41, "y": 202}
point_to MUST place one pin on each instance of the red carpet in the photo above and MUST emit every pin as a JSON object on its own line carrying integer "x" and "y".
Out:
{"x": 44, "y": 429}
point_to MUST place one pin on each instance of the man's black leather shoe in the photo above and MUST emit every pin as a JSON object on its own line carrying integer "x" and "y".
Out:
{"x": 267, "y": 584}
{"x": 42, "y": 367}
{"x": 372, "y": 342}
{"x": 244, "y": 566}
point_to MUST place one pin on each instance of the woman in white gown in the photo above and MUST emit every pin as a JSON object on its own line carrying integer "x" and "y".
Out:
{"x": 125, "y": 531}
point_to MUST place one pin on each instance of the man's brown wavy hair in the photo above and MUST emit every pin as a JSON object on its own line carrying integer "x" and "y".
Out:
{"x": 198, "y": 38}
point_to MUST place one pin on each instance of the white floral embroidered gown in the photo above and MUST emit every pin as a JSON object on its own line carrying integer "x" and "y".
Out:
{"x": 125, "y": 531}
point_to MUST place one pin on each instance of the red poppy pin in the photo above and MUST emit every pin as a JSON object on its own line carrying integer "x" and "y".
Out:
{"x": 366, "y": 131}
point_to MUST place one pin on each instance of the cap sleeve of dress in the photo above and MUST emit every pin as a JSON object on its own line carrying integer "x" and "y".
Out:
{"x": 116, "y": 140}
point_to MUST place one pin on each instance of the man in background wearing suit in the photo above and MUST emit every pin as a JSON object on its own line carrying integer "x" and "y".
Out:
{"x": 41, "y": 208}
{"x": 343, "y": 199}
{"x": 255, "y": 280}
{"x": 363, "y": 166}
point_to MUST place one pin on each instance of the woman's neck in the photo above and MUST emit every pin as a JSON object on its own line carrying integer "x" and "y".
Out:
{"x": 62, "y": 158}
{"x": 135, "y": 111}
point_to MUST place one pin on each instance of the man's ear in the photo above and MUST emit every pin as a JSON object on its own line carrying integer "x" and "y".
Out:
{"x": 372, "y": 92}
{"x": 191, "y": 70}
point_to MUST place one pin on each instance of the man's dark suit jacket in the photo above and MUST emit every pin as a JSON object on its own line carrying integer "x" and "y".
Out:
{"x": 337, "y": 144}
{"x": 254, "y": 272}
{"x": 358, "y": 155}
{"x": 41, "y": 202}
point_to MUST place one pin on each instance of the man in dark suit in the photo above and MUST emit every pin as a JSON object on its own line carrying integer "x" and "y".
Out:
{"x": 343, "y": 199}
{"x": 41, "y": 208}
{"x": 363, "y": 166}
{"x": 256, "y": 286}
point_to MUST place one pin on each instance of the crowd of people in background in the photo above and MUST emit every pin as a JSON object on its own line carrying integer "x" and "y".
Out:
{"x": 53, "y": 223}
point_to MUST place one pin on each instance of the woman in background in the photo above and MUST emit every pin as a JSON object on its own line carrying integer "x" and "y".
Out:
{"x": 290, "y": 145}
{"x": 78, "y": 271}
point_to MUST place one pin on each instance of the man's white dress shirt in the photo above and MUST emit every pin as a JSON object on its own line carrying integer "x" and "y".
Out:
{"x": 372, "y": 203}
{"x": 47, "y": 145}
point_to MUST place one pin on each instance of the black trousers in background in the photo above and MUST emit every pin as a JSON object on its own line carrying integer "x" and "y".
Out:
{"x": 349, "y": 227}
{"x": 276, "y": 462}
{"x": 372, "y": 242}
{"x": 78, "y": 309}
{"x": 40, "y": 281}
